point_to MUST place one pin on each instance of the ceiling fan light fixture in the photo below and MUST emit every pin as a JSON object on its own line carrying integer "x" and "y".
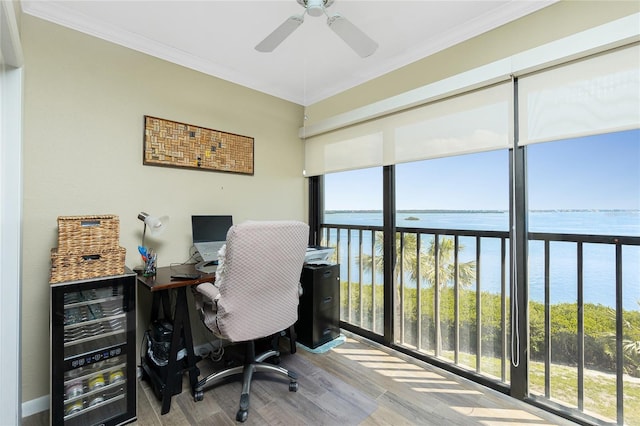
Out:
{"x": 315, "y": 10}
{"x": 315, "y": 7}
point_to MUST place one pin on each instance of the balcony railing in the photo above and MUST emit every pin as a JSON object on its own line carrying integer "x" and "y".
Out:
{"x": 453, "y": 305}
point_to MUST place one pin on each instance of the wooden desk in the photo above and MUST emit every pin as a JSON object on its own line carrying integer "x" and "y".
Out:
{"x": 166, "y": 380}
{"x": 163, "y": 281}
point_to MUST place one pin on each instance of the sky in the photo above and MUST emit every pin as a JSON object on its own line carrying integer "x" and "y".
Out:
{"x": 595, "y": 172}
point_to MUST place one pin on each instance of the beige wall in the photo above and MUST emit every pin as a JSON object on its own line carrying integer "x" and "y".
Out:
{"x": 551, "y": 23}
{"x": 83, "y": 124}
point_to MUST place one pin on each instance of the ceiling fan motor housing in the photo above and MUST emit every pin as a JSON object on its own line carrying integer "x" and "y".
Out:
{"x": 315, "y": 7}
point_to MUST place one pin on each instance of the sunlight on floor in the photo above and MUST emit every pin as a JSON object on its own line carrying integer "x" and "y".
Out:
{"x": 428, "y": 382}
{"x": 390, "y": 366}
{"x": 497, "y": 413}
{"x": 374, "y": 358}
{"x": 513, "y": 423}
{"x": 408, "y": 373}
{"x": 403, "y": 371}
{"x": 440, "y": 390}
{"x": 501, "y": 416}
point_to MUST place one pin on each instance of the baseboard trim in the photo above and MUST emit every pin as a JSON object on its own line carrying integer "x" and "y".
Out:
{"x": 35, "y": 406}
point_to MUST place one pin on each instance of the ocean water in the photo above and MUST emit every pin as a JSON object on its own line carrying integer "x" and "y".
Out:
{"x": 598, "y": 259}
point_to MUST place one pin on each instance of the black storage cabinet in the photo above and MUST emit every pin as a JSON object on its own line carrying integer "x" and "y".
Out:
{"x": 319, "y": 307}
{"x": 93, "y": 351}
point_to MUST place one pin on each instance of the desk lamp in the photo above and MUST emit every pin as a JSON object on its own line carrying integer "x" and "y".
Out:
{"x": 157, "y": 226}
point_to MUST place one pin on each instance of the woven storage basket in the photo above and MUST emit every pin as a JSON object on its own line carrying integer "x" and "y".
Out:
{"x": 67, "y": 266}
{"x": 79, "y": 233}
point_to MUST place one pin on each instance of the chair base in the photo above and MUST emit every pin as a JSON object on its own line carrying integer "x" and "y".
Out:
{"x": 252, "y": 364}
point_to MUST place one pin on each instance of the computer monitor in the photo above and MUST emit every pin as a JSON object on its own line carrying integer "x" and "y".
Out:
{"x": 209, "y": 235}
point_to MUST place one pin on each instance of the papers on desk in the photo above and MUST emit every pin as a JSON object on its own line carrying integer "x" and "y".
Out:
{"x": 318, "y": 255}
{"x": 319, "y": 263}
{"x": 207, "y": 267}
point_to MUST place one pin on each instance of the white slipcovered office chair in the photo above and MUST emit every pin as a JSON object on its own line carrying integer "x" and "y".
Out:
{"x": 255, "y": 296}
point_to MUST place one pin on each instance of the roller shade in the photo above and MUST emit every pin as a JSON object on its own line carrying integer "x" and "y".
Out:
{"x": 600, "y": 94}
{"x": 472, "y": 122}
{"x": 352, "y": 148}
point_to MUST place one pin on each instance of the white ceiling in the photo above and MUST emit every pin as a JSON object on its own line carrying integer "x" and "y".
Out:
{"x": 313, "y": 63}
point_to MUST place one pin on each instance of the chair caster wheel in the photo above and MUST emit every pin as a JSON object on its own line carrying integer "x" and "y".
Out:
{"x": 198, "y": 396}
{"x": 275, "y": 360}
{"x": 242, "y": 415}
{"x": 293, "y": 386}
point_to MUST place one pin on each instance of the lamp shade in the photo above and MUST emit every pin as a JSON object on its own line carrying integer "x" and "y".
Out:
{"x": 156, "y": 224}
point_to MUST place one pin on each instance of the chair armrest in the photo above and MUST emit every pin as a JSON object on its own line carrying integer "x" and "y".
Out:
{"x": 209, "y": 291}
{"x": 206, "y": 297}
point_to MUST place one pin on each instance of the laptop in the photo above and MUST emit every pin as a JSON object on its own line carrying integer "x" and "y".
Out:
{"x": 209, "y": 235}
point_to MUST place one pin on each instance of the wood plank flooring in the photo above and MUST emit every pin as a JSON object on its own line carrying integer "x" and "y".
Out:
{"x": 356, "y": 383}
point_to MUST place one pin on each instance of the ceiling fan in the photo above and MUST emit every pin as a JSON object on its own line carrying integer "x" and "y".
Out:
{"x": 361, "y": 43}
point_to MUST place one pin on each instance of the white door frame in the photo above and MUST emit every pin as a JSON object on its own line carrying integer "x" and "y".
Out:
{"x": 11, "y": 61}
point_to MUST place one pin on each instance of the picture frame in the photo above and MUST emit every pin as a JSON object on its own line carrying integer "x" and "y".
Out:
{"x": 170, "y": 143}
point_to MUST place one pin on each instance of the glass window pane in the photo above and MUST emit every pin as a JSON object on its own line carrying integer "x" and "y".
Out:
{"x": 453, "y": 199}
{"x": 584, "y": 194}
{"x": 355, "y": 198}
{"x": 464, "y": 192}
{"x": 588, "y": 185}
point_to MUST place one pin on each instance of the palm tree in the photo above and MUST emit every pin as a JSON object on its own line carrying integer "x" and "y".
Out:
{"x": 630, "y": 346}
{"x": 407, "y": 252}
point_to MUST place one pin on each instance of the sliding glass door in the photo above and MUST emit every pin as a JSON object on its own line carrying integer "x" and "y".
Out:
{"x": 497, "y": 234}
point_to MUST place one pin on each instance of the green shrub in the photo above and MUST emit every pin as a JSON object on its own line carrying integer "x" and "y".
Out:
{"x": 599, "y": 325}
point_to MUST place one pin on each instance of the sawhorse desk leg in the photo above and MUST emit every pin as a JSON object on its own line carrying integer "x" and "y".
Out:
{"x": 181, "y": 331}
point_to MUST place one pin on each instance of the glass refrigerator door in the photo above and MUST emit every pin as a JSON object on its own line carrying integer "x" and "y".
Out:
{"x": 93, "y": 334}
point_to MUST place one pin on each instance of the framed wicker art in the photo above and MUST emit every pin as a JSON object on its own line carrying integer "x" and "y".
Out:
{"x": 172, "y": 144}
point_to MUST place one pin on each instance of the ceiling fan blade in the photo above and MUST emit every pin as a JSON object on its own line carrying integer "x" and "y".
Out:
{"x": 278, "y": 35}
{"x": 352, "y": 35}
